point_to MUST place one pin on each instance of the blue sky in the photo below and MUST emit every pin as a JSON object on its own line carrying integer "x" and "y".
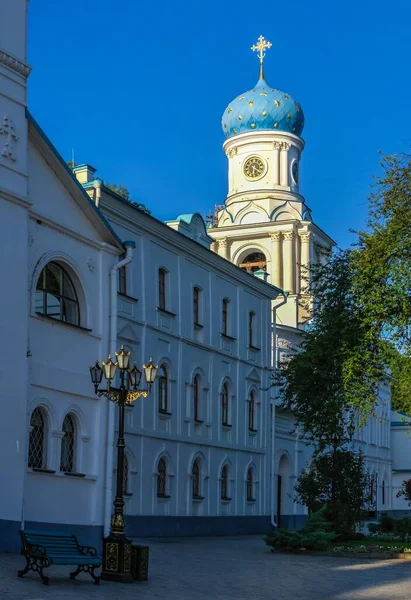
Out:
{"x": 138, "y": 89}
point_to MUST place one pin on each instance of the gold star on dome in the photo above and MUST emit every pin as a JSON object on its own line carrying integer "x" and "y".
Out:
{"x": 259, "y": 47}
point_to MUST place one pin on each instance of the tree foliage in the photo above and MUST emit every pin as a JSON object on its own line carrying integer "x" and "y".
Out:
{"x": 122, "y": 191}
{"x": 383, "y": 271}
{"x": 338, "y": 483}
{"x": 333, "y": 382}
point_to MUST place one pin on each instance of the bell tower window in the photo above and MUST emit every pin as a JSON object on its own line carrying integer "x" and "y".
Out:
{"x": 255, "y": 261}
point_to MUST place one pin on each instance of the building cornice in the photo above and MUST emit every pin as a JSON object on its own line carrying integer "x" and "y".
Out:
{"x": 13, "y": 63}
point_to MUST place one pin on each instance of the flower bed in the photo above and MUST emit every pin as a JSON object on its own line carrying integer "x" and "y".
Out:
{"x": 372, "y": 551}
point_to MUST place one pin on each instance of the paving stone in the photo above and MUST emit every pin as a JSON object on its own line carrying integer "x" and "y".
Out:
{"x": 222, "y": 569}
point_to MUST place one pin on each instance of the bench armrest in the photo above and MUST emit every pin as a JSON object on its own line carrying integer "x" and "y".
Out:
{"x": 88, "y": 550}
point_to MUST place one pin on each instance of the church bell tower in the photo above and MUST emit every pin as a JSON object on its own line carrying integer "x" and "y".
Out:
{"x": 265, "y": 224}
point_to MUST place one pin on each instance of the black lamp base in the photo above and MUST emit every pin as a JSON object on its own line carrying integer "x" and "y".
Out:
{"x": 117, "y": 559}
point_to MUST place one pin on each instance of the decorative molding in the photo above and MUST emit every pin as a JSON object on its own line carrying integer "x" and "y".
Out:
{"x": 275, "y": 237}
{"x": 285, "y": 146}
{"x": 305, "y": 236}
{"x": 9, "y": 131}
{"x": 90, "y": 265}
{"x": 222, "y": 243}
{"x": 277, "y": 145}
{"x": 288, "y": 235}
{"x": 232, "y": 152}
{"x": 14, "y": 63}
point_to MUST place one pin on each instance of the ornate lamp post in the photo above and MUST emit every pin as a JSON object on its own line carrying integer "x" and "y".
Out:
{"x": 117, "y": 547}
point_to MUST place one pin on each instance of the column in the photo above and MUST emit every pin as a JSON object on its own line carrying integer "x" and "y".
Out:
{"x": 285, "y": 146}
{"x": 305, "y": 238}
{"x": 223, "y": 248}
{"x": 276, "y": 278}
{"x": 276, "y": 162}
{"x": 288, "y": 262}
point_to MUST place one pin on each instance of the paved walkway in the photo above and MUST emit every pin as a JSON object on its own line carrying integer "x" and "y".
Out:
{"x": 223, "y": 569}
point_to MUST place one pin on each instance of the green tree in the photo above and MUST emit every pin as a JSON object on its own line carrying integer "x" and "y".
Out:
{"x": 337, "y": 483}
{"x": 332, "y": 383}
{"x": 383, "y": 271}
{"x": 122, "y": 191}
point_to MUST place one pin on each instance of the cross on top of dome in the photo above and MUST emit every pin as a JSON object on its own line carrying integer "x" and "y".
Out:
{"x": 259, "y": 47}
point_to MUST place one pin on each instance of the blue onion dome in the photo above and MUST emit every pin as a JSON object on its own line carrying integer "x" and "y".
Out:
{"x": 263, "y": 108}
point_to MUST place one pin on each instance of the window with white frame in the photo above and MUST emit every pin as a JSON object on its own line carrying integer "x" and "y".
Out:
{"x": 196, "y": 479}
{"x": 225, "y": 317}
{"x": 250, "y": 485}
{"x": 37, "y": 458}
{"x": 225, "y": 406}
{"x": 196, "y": 305}
{"x": 196, "y": 399}
{"x": 163, "y": 390}
{"x": 162, "y": 478}
{"x": 251, "y": 329}
{"x": 225, "y": 483}
{"x": 68, "y": 445}
{"x": 56, "y": 295}
{"x": 251, "y": 412}
{"x": 162, "y": 290}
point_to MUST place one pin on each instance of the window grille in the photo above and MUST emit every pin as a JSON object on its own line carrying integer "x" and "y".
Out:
{"x": 163, "y": 391}
{"x": 224, "y": 483}
{"x": 161, "y": 477}
{"x": 196, "y": 479}
{"x": 68, "y": 442}
{"x": 37, "y": 439}
{"x": 56, "y": 296}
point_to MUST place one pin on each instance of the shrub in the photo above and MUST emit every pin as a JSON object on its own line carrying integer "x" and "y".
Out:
{"x": 315, "y": 535}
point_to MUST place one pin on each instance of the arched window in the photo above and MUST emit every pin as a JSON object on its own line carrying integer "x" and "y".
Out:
{"x": 251, "y": 412}
{"x": 196, "y": 305}
{"x": 163, "y": 390}
{"x": 254, "y": 261}
{"x": 68, "y": 445}
{"x": 195, "y": 472}
{"x": 196, "y": 398}
{"x": 56, "y": 296}
{"x": 225, "y": 413}
{"x": 225, "y": 483}
{"x": 251, "y": 334}
{"x": 162, "y": 478}
{"x": 224, "y": 323}
{"x": 250, "y": 485}
{"x": 125, "y": 475}
{"x": 37, "y": 440}
{"x": 162, "y": 289}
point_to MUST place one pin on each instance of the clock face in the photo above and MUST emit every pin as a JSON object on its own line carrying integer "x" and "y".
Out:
{"x": 254, "y": 167}
{"x": 294, "y": 172}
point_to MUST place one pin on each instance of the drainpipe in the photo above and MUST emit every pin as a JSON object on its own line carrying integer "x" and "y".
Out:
{"x": 110, "y": 405}
{"x": 274, "y": 366}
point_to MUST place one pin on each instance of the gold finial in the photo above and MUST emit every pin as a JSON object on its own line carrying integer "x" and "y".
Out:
{"x": 261, "y": 45}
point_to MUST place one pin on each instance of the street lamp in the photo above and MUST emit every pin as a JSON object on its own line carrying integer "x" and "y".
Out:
{"x": 117, "y": 547}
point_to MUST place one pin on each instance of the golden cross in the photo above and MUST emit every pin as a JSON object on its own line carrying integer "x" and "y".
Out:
{"x": 261, "y": 45}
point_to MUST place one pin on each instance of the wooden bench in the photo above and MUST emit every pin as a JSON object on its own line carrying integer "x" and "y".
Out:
{"x": 44, "y": 548}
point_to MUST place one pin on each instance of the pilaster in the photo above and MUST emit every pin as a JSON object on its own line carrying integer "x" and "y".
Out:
{"x": 276, "y": 278}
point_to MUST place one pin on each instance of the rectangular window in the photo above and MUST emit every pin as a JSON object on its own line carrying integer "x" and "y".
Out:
{"x": 196, "y": 305}
{"x": 122, "y": 280}
{"x": 224, "y": 329}
{"x": 162, "y": 289}
{"x": 251, "y": 317}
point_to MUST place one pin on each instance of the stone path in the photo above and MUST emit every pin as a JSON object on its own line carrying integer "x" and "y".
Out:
{"x": 223, "y": 569}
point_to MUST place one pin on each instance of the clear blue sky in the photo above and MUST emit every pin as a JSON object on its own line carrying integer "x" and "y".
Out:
{"x": 138, "y": 89}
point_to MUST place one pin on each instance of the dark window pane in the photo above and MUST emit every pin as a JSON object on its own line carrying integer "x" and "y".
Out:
{"x": 70, "y": 312}
{"x": 39, "y": 303}
{"x": 53, "y": 308}
{"x": 54, "y": 279}
{"x": 161, "y": 477}
{"x": 36, "y": 457}
{"x": 68, "y": 445}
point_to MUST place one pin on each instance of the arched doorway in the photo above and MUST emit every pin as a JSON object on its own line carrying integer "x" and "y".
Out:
{"x": 254, "y": 261}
